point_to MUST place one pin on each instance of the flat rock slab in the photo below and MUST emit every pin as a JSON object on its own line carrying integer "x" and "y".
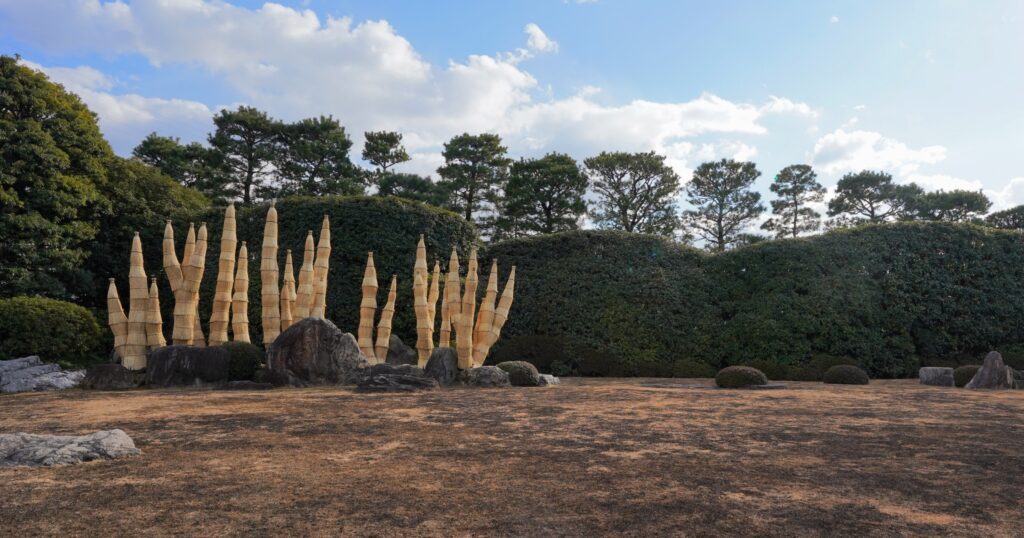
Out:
{"x": 31, "y": 374}
{"x": 395, "y": 378}
{"x": 936, "y": 376}
{"x": 28, "y": 449}
{"x": 769, "y": 386}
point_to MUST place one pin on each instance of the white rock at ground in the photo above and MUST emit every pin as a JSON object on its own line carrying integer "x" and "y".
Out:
{"x": 548, "y": 380}
{"x": 30, "y": 373}
{"x": 34, "y": 450}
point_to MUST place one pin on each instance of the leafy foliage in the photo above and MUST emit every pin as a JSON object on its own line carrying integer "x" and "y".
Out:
{"x": 55, "y": 330}
{"x": 543, "y": 196}
{"x": 951, "y": 206}
{"x": 384, "y": 149}
{"x": 193, "y": 165}
{"x": 964, "y": 374}
{"x": 246, "y": 358}
{"x": 635, "y": 192}
{"x": 312, "y": 159}
{"x": 736, "y": 377}
{"x": 845, "y": 374}
{"x": 245, "y": 142}
{"x": 869, "y": 196}
{"x": 412, "y": 187}
{"x": 796, "y": 186}
{"x": 723, "y": 201}
{"x": 1009, "y": 219}
{"x": 474, "y": 172}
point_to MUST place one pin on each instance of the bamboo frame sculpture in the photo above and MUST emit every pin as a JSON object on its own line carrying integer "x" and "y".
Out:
{"x": 184, "y": 280}
{"x": 367, "y": 310}
{"x": 304, "y": 295}
{"x": 320, "y": 269}
{"x": 116, "y": 319}
{"x": 240, "y": 300}
{"x": 384, "y": 326}
{"x": 193, "y": 274}
{"x": 220, "y": 317}
{"x": 424, "y": 327}
{"x": 432, "y": 295}
{"x": 270, "y": 318}
{"x": 451, "y": 307}
{"x": 287, "y": 292}
{"x": 134, "y": 357}
{"x": 154, "y": 321}
{"x": 485, "y": 316}
{"x": 500, "y": 316}
{"x": 464, "y": 332}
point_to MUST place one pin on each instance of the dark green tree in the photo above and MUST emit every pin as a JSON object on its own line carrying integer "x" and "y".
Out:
{"x": 796, "y": 186}
{"x": 190, "y": 164}
{"x": 635, "y": 192}
{"x": 474, "y": 173}
{"x": 951, "y": 206}
{"x": 384, "y": 149}
{"x": 723, "y": 202}
{"x": 412, "y": 187}
{"x": 312, "y": 159}
{"x": 1008, "y": 219}
{"x": 869, "y": 196}
{"x": 245, "y": 141}
{"x": 52, "y": 158}
{"x": 543, "y": 196}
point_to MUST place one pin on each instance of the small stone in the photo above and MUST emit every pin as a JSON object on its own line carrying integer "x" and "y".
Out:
{"x": 399, "y": 353}
{"x": 936, "y": 376}
{"x": 188, "y": 366}
{"x": 993, "y": 374}
{"x": 521, "y": 373}
{"x": 443, "y": 365}
{"x": 395, "y": 378}
{"x": 34, "y": 450}
{"x": 547, "y": 380}
{"x": 484, "y": 376}
{"x": 108, "y": 376}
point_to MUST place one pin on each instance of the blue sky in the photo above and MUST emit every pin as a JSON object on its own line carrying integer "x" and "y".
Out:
{"x": 930, "y": 91}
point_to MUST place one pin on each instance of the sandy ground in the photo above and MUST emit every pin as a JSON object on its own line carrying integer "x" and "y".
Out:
{"x": 588, "y": 458}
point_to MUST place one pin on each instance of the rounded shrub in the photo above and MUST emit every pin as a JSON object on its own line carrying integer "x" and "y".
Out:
{"x": 521, "y": 373}
{"x": 845, "y": 374}
{"x": 57, "y": 331}
{"x": 735, "y": 377}
{"x": 246, "y": 358}
{"x": 963, "y": 375}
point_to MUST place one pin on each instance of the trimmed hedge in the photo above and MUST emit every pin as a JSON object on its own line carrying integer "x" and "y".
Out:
{"x": 889, "y": 298}
{"x": 964, "y": 374}
{"x": 737, "y": 377}
{"x": 246, "y": 358}
{"x": 845, "y": 374}
{"x": 57, "y": 331}
{"x": 390, "y": 227}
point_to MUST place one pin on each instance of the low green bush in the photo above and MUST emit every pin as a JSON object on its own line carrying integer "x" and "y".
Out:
{"x": 57, "y": 331}
{"x": 246, "y": 358}
{"x": 521, "y": 373}
{"x": 845, "y": 374}
{"x": 963, "y": 375}
{"x": 735, "y": 377}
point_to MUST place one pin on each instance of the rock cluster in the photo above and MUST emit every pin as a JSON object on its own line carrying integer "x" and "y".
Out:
{"x": 34, "y": 450}
{"x": 993, "y": 374}
{"x": 30, "y": 373}
{"x": 314, "y": 351}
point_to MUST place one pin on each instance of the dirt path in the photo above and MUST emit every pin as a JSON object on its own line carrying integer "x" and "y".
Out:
{"x": 593, "y": 457}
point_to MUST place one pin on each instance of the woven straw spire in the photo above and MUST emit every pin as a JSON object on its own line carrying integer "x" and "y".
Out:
{"x": 287, "y": 292}
{"x": 116, "y": 320}
{"x": 304, "y": 295}
{"x": 320, "y": 270}
{"x": 154, "y": 321}
{"x": 270, "y": 318}
{"x": 368, "y": 310}
{"x": 220, "y": 316}
{"x": 384, "y": 326}
{"x": 240, "y": 300}
{"x": 485, "y": 317}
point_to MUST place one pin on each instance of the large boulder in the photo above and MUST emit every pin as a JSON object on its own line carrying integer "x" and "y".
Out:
{"x": 34, "y": 450}
{"x": 521, "y": 373}
{"x": 316, "y": 352}
{"x": 30, "y": 374}
{"x": 993, "y": 374}
{"x": 399, "y": 353}
{"x": 188, "y": 366}
{"x": 395, "y": 378}
{"x": 935, "y": 376}
{"x": 111, "y": 377}
{"x": 484, "y": 376}
{"x": 443, "y": 365}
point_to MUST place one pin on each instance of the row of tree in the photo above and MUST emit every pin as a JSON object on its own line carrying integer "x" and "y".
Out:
{"x": 251, "y": 156}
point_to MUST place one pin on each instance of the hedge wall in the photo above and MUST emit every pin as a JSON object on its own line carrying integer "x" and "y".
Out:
{"x": 390, "y": 227}
{"x": 887, "y": 297}
{"x": 57, "y": 331}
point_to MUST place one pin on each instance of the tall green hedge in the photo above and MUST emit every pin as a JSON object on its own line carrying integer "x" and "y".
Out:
{"x": 57, "y": 331}
{"x": 889, "y": 297}
{"x": 390, "y": 227}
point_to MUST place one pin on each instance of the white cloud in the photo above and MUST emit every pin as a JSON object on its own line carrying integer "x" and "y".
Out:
{"x": 538, "y": 40}
{"x": 842, "y": 151}
{"x": 834, "y": 19}
{"x": 781, "y": 105}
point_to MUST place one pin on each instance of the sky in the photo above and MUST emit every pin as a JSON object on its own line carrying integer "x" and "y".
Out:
{"x": 930, "y": 91}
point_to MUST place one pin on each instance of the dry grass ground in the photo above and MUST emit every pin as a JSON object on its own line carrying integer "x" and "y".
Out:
{"x": 592, "y": 457}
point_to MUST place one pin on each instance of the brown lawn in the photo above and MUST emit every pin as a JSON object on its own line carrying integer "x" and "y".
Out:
{"x": 588, "y": 458}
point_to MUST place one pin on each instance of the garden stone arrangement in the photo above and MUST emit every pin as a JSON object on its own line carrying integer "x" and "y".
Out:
{"x": 992, "y": 374}
{"x": 44, "y": 450}
{"x": 31, "y": 374}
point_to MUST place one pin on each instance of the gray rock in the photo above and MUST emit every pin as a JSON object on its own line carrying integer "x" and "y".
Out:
{"x": 188, "y": 366}
{"x": 18, "y": 364}
{"x": 936, "y": 376}
{"x": 35, "y": 450}
{"x": 399, "y": 353}
{"x": 395, "y": 378}
{"x": 521, "y": 373}
{"x": 484, "y": 376}
{"x": 247, "y": 385}
{"x": 443, "y": 365}
{"x": 111, "y": 377}
{"x": 30, "y": 374}
{"x": 316, "y": 352}
{"x": 994, "y": 374}
{"x": 546, "y": 380}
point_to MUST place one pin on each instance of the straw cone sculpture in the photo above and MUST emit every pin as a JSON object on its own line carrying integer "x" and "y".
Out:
{"x": 219, "y": 319}
{"x": 424, "y": 327}
{"x": 485, "y": 317}
{"x": 240, "y": 300}
{"x": 452, "y": 303}
{"x": 180, "y": 335}
{"x": 500, "y": 316}
{"x": 287, "y": 292}
{"x": 270, "y": 317}
{"x": 367, "y": 310}
{"x": 193, "y": 274}
{"x": 304, "y": 295}
{"x": 384, "y": 326}
{"x": 433, "y": 293}
{"x": 116, "y": 319}
{"x": 154, "y": 321}
{"x": 320, "y": 268}
{"x": 464, "y": 332}
{"x": 134, "y": 357}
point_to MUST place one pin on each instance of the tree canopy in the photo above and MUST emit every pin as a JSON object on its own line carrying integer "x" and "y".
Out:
{"x": 796, "y": 186}
{"x": 474, "y": 173}
{"x": 384, "y": 149}
{"x": 951, "y": 206}
{"x": 723, "y": 201}
{"x": 312, "y": 159}
{"x": 635, "y": 192}
{"x": 543, "y": 196}
{"x": 870, "y": 196}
